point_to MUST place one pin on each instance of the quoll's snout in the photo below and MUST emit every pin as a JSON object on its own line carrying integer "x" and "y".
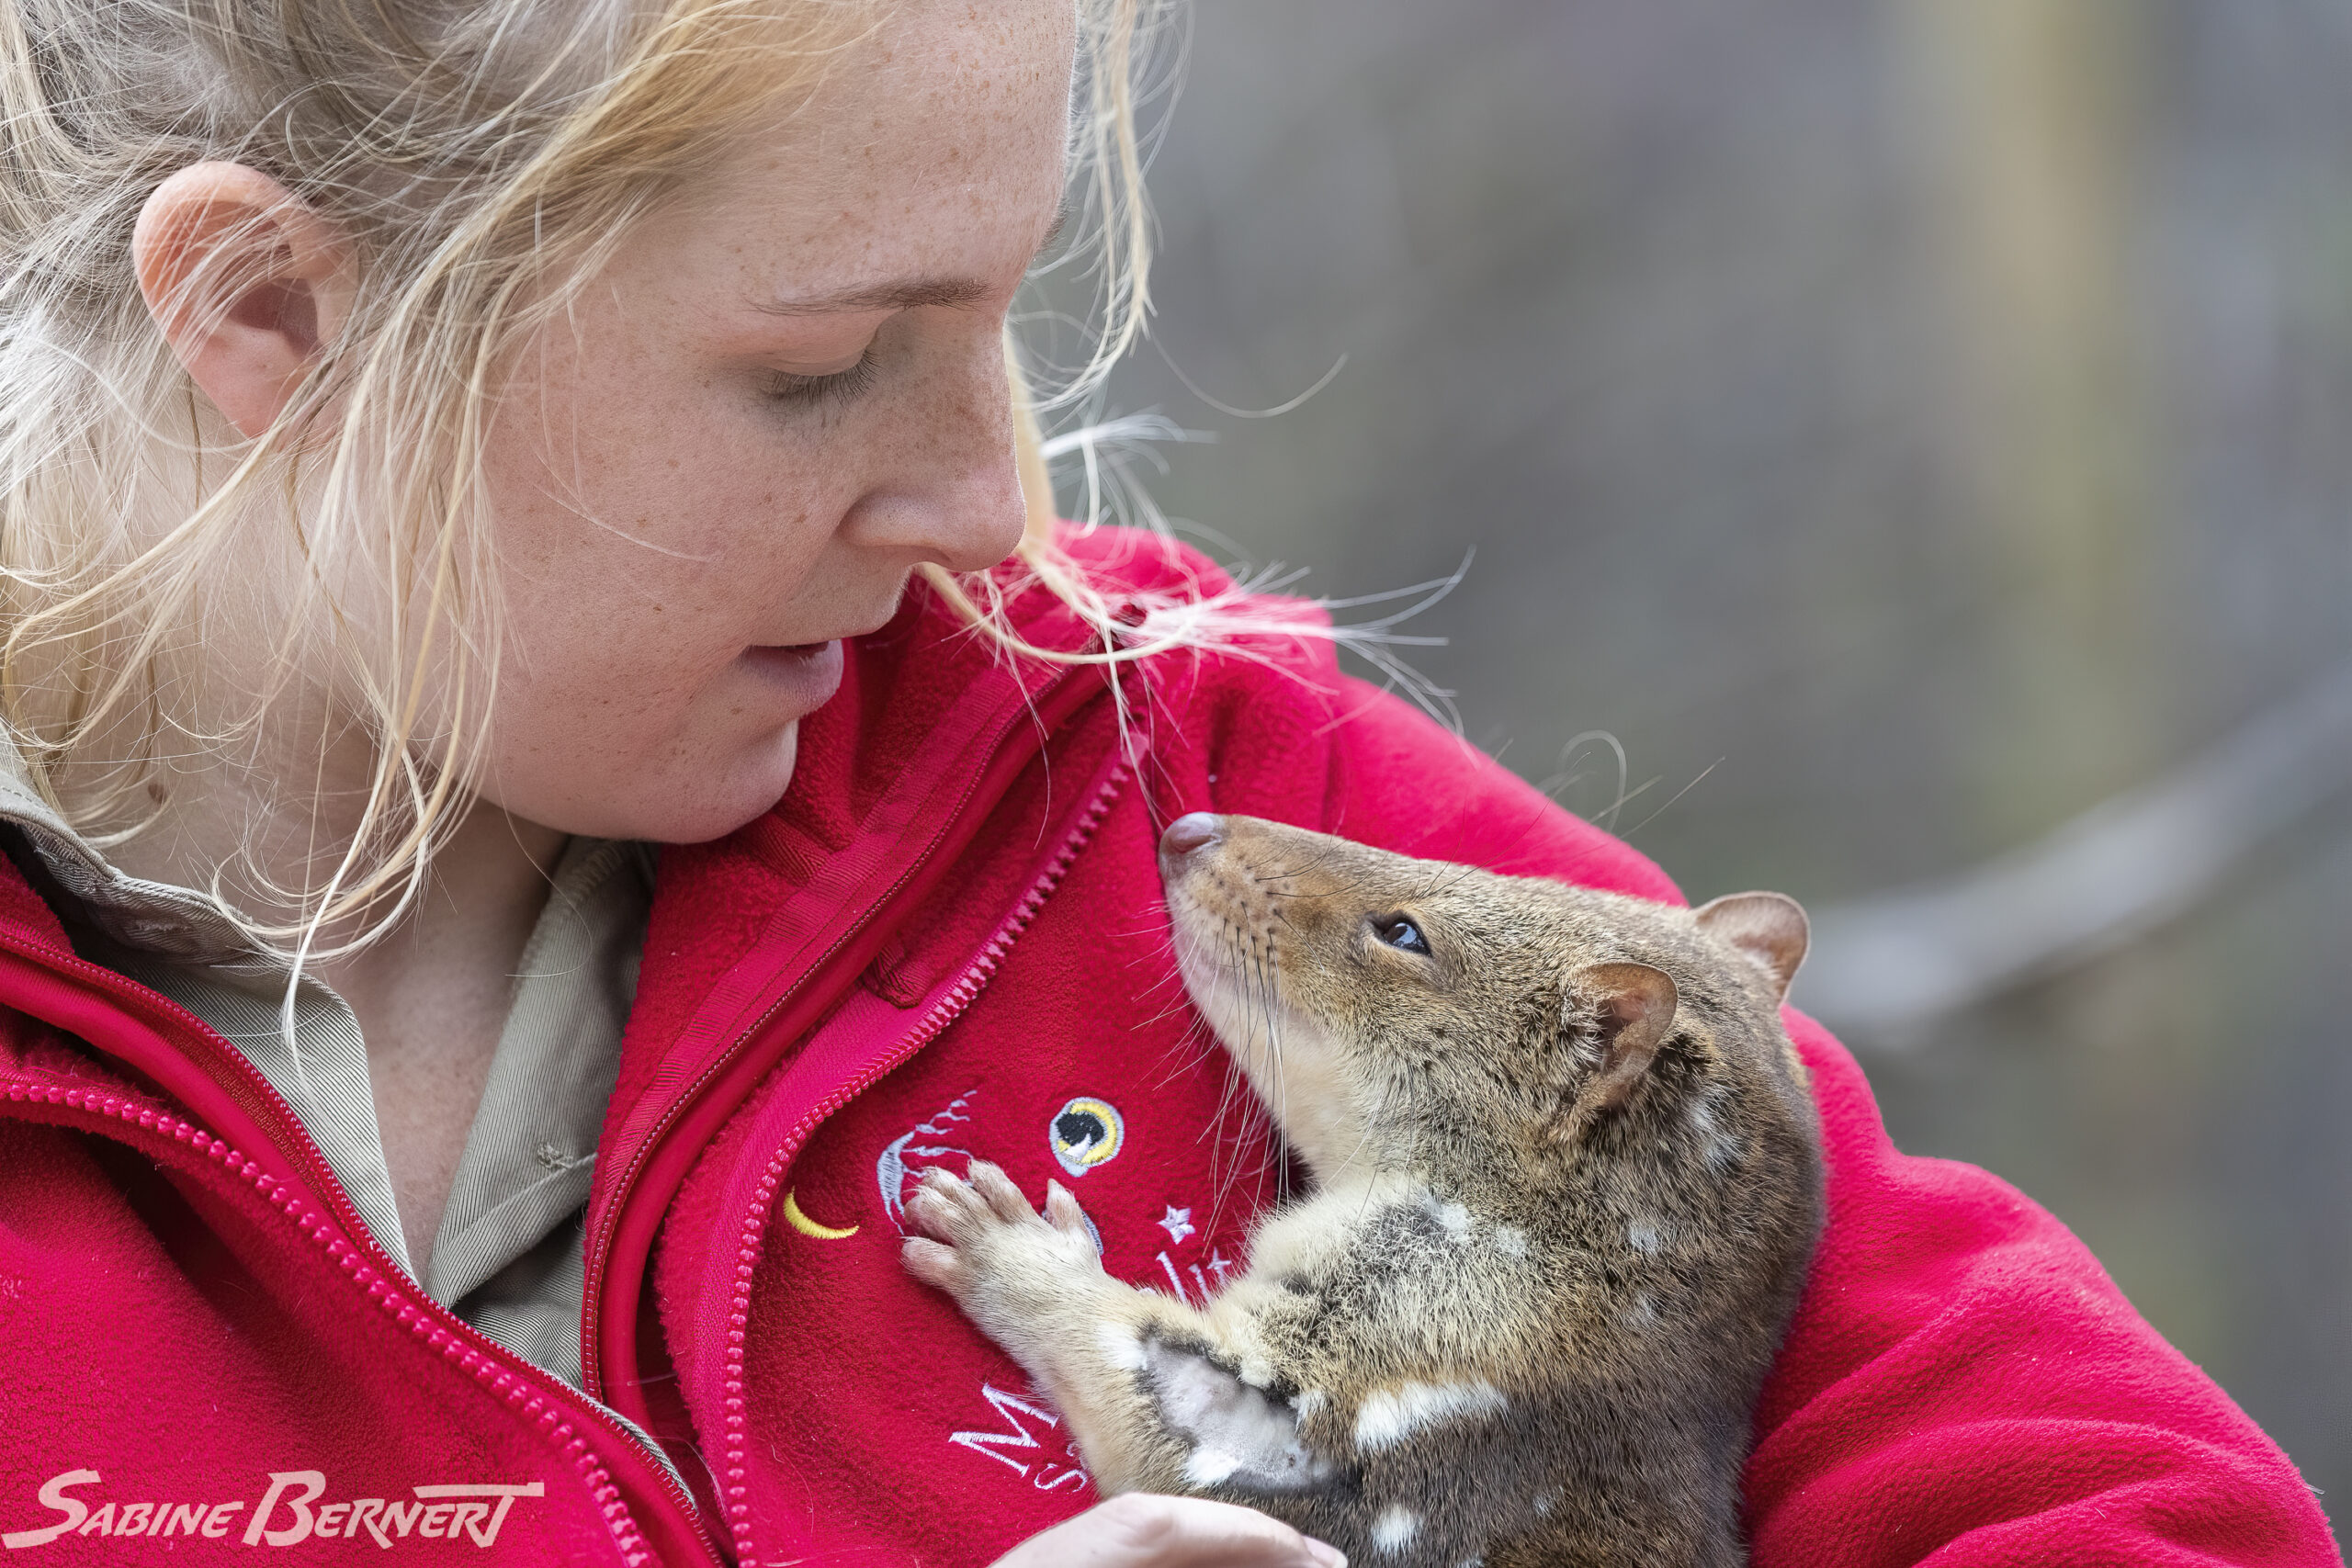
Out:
{"x": 1187, "y": 836}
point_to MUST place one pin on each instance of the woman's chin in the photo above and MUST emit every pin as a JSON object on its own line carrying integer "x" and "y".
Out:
{"x": 705, "y": 793}
{"x": 727, "y": 798}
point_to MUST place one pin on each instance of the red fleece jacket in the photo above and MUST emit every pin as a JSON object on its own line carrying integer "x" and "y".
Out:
{"x": 946, "y": 941}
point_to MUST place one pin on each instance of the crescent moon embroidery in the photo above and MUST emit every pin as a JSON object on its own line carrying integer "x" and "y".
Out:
{"x": 807, "y": 1226}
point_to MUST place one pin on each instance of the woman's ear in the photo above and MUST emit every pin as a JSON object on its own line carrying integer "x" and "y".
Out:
{"x": 245, "y": 283}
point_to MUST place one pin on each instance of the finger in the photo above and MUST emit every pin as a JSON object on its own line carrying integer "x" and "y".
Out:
{"x": 938, "y": 1179}
{"x": 929, "y": 1261}
{"x": 1063, "y": 1210}
{"x": 997, "y": 1191}
{"x": 931, "y": 1212}
{"x": 945, "y": 1204}
{"x": 1139, "y": 1530}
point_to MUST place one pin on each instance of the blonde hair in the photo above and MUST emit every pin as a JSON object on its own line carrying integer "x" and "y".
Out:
{"x": 483, "y": 159}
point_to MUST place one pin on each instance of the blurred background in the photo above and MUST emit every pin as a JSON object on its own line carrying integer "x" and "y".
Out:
{"x": 1919, "y": 432}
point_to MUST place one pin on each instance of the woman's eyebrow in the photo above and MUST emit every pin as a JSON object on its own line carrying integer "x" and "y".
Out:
{"x": 907, "y": 294}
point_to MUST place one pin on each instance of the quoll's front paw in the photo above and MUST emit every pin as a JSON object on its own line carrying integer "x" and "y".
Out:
{"x": 983, "y": 1244}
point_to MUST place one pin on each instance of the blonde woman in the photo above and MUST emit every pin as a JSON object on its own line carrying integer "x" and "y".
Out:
{"x": 448, "y": 450}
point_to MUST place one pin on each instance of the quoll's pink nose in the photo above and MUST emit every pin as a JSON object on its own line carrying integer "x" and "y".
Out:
{"x": 1194, "y": 831}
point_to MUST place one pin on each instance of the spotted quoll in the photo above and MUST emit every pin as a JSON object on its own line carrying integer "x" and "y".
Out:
{"x": 1566, "y": 1181}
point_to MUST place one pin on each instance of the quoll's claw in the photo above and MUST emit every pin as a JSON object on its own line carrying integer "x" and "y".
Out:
{"x": 980, "y": 1242}
{"x": 943, "y": 1207}
{"x": 962, "y": 1211}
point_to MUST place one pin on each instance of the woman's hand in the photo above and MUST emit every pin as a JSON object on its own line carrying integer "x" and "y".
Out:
{"x": 1140, "y": 1530}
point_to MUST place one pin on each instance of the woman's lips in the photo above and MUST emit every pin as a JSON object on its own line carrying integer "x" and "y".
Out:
{"x": 807, "y": 675}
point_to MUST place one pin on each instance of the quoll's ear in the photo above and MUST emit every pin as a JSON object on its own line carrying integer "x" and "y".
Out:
{"x": 1635, "y": 1004}
{"x": 1770, "y": 928}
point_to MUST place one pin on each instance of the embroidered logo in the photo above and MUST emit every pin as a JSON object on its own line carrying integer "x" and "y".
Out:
{"x": 1045, "y": 1474}
{"x": 288, "y": 1513}
{"x": 913, "y": 1153}
{"x": 1177, "y": 1222}
{"x": 1085, "y": 1134}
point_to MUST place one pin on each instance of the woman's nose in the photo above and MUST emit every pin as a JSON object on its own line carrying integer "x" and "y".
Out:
{"x": 982, "y": 515}
{"x": 956, "y": 497}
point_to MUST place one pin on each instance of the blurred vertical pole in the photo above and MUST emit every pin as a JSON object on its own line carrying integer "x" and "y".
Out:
{"x": 2030, "y": 124}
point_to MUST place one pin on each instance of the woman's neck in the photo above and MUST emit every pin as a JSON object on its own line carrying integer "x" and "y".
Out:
{"x": 431, "y": 994}
{"x": 432, "y": 997}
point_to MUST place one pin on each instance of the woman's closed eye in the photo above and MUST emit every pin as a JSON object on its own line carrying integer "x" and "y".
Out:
{"x": 820, "y": 391}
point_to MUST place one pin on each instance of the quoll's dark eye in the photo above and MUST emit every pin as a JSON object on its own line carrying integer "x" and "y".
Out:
{"x": 1401, "y": 933}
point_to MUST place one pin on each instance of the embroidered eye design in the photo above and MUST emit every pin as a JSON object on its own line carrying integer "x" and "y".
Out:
{"x": 1087, "y": 1133}
{"x": 1401, "y": 934}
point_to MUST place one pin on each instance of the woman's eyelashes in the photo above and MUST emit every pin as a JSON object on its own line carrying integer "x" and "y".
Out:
{"x": 820, "y": 391}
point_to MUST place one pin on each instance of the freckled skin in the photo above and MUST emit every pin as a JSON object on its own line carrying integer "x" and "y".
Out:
{"x": 1567, "y": 1181}
{"x": 665, "y": 525}
{"x": 641, "y": 458}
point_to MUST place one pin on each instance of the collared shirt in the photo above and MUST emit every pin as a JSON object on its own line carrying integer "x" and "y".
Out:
{"x": 507, "y": 1258}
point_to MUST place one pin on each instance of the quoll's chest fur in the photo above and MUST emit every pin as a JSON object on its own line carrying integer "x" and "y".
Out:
{"x": 1568, "y": 1183}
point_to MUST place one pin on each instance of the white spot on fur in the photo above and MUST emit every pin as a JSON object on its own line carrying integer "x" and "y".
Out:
{"x": 1257, "y": 1371}
{"x": 1120, "y": 1347}
{"x": 1389, "y": 1417}
{"x": 1512, "y": 1239}
{"x": 1235, "y": 1429}
{"x": 1395, "y": 1529}
{"x": 1454, "y": 1218}
{"x": 1646, "y": 1238}
{"x": 1208, "y": 1466}
{"x": 1723, "y": 1151}
{"x": 1311, "y": 1402}
{"x": 1545, "y": 1504}
{"x": 1642, "y": 1314}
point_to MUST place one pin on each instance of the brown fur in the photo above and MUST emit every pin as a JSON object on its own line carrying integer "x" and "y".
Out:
{"x": 1567, "y": 1181}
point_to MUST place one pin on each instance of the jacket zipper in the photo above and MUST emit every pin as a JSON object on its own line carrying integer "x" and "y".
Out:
{"x": 1047, "y": 714}
{"x": 540, "y": 1393}
{"x": 750, "y": 1241}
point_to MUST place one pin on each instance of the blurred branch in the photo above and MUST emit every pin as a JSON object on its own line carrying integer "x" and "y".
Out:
{"x": 1886, "y": 967}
